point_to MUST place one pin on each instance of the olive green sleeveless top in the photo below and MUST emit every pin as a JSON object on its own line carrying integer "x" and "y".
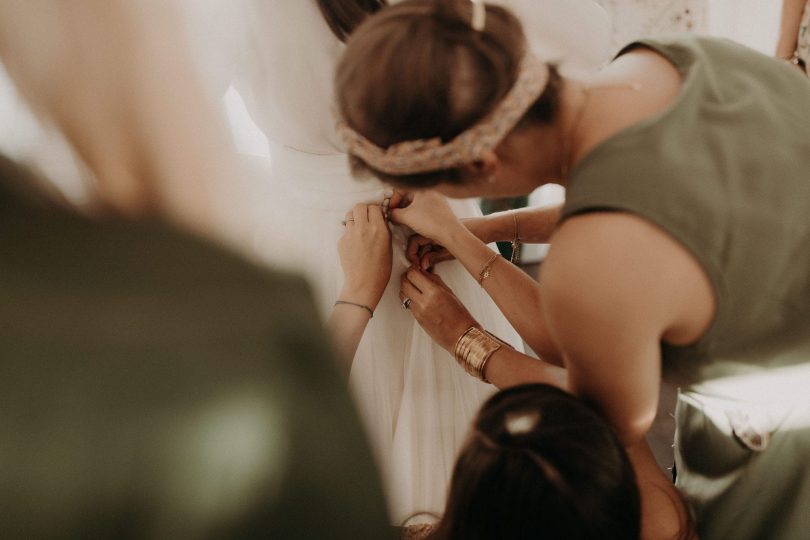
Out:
{"x": 726, "y": 171}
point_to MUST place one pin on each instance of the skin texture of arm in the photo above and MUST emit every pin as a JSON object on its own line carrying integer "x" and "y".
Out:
{"x": 664, "y": 515}
{"x": 516, "y": 294}
{"x": 440, "y": 313}
{"x": 365, "y": 257}
{"x": 789, "y": 27}
{"x": 535, "y": 226}
{"x": 346, "y": 325}
{"x": 615, "y": 287}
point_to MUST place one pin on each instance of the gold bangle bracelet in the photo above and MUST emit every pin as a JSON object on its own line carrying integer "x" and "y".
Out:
{"x": 474, "y": 349}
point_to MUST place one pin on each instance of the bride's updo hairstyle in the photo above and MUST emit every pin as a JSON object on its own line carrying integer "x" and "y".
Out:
{"x": 539, "y": 463}
{"x": 343, "y": 16}
{"x": 419, "y": 70}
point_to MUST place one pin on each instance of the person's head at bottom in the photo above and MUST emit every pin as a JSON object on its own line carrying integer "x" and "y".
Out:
{"x": 539, "y": 463}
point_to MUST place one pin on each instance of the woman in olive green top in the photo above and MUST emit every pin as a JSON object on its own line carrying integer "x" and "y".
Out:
{"x": 682, "y": 248}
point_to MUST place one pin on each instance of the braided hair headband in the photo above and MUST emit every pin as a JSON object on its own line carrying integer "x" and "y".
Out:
{"x": 425, "y": 155}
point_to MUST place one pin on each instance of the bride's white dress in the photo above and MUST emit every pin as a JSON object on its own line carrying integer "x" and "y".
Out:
{"x": 416, "y": 402}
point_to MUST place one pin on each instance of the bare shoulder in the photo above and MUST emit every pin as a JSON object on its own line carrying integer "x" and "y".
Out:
{"x": 606, "y": 264}
{"x": 639, "y": 84}
{"x": 653, "y": 77}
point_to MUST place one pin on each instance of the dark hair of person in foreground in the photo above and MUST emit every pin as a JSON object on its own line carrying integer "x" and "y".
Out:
{"x": 539, "y": 463}
{"x": 343, "y": 16}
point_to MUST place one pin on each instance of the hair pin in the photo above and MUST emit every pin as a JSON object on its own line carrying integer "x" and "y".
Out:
{"x": 479, "y": 17}
{"x": 522, "y": 423}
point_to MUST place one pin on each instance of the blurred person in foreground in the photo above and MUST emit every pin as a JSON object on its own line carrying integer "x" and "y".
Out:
{"x": 540, "y": 463}
{"x": 153, "y": 383}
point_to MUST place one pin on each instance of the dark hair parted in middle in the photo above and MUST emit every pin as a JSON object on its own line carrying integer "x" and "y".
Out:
{"x": 343, "y": 16}
{"x": 539, "y": 463}
{"x": 418, "y": 70}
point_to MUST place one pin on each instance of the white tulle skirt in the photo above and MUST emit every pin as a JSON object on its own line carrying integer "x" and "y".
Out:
{"x": 416, "y": 402}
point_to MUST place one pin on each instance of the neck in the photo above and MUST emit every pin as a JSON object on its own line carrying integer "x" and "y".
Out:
{"x": 574, "y": 100}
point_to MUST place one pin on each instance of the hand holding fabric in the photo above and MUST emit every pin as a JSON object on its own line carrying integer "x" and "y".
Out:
{"x": 435, "y": 307}
{"x": 428, "y": 214}
{"x": 365, "y": 255}
{"x": 424, "y": 253}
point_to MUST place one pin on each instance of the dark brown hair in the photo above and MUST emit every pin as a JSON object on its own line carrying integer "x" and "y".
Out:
{"x": 418, "y": 70}
{"x": 343, "y": 16}
{"x": 19, "y": 183}
{"x": 539, "y": 463}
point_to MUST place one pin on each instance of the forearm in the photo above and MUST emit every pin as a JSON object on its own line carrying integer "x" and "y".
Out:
{"x": 664, "y": 514}
{"x": 346, "y": 326}
{"x": 508, "y": 367}
{"x": 534, "y": 225}
{"x": 789, "y": 27}
{"x": 516, "y": 294}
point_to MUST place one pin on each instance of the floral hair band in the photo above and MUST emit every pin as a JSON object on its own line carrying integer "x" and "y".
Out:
{"x": 426, "y": 155}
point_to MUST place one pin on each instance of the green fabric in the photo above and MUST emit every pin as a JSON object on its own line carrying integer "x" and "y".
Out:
{"x": 725, "y": 170}
{"x": 155, "y": 386}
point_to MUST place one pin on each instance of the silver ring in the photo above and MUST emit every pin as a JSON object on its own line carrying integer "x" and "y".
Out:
{"x": 407, "y": 303}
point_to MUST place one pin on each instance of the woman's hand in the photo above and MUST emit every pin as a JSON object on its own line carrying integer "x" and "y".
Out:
{"x": 428, "y": 214}
{"x": 435, "y": 307}
{"x": 424, "y": 253}
{"x": 365, "y": 255}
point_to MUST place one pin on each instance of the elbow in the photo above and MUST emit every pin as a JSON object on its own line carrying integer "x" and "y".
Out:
{"x": 632, "y": 430}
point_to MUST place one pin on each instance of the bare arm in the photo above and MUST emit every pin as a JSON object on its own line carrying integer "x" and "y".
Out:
{"x": 664, "y": 514}
{"x": 789, "y": 27}
{"x": 615, "y": 287}
{"x": 365, "y": 258}
{"x": 516, "y": 294}
{"x": 442, "y": 316}
{"x": 346, "y": 326}
{"x": 535, "y": 225}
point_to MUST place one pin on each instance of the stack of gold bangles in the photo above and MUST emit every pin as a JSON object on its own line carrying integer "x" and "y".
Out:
{"x": 474, "y": 349}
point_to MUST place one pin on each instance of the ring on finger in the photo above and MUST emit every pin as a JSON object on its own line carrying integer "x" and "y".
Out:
{"x": 407, "y": 303}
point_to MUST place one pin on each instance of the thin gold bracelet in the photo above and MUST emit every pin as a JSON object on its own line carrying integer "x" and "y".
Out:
{"x": 515, "y": 257}
{"x": 347, "y": 303}
{"x": 487, "y": 269}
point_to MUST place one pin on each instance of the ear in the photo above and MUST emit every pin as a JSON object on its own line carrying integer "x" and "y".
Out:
{"x": 483, "y": 167}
